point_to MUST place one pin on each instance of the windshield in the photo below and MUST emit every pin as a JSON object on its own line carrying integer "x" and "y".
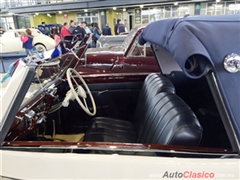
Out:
{"x": 128, "y": 39}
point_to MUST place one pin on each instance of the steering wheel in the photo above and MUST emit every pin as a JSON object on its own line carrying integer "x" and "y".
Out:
{"x": 72, "y": 76}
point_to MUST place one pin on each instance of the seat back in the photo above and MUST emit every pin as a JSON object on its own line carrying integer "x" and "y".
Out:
{"x": 153, "y": 84}
{"x": 169, "y": 121}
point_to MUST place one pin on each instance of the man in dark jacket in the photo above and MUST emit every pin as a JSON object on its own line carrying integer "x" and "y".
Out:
{"x": 106, "y": 30}
{"x": 116, "y": 26}
{"x": 79, "y": 30}
{"x": 121, "y": 28}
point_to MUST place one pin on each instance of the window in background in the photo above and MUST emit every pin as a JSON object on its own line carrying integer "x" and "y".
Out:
{"x": 232, "y": 7}
{"x": 6, "y": 23}
{"x": 23, "y": 22}
{"x": 89, "y": 17}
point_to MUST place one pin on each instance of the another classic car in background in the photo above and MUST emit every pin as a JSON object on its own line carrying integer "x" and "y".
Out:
{"x": 10, "y": 41}
{"x": 109, "y": 41}
{"x": 173, "y": 124}
{"x": 129, "y": 57}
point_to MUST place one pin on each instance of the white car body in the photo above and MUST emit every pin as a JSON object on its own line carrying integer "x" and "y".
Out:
{"x": 10, "y": 41}
{"x": 30, "y": 165}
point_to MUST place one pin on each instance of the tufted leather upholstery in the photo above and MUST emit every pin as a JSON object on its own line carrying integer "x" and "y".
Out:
{"x": 161, "y": 118}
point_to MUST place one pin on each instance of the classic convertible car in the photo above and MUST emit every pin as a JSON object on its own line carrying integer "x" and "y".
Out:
{"x": 10, "y": 41}
{"x": 180, "y": 122}
{"x": 129, "y": 57}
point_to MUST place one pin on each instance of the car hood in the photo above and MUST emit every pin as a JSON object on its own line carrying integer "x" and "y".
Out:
{"x": 210, "y": 39}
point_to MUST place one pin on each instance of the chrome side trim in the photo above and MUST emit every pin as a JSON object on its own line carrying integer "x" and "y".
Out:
{"x": 121, "y": 148}
{"x": 117, "y": 74}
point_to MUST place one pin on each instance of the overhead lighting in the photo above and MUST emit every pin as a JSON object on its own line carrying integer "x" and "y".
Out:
{"x": 217, "y": 0}
{"x": 60, "y": 12}
{"x": 124, "y": 9}
{"x": 36, "y": 14}
{"x": 85, "y": 10}
{"x": 141, "y": 6}
{"x": 176, "y": 3}
{"x": 114, "y": 8}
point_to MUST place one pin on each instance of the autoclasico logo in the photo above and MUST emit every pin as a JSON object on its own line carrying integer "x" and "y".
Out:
{"x": 188, "y": 174}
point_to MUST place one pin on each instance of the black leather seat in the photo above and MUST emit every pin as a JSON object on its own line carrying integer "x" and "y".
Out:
{"x": 161, "y": 118}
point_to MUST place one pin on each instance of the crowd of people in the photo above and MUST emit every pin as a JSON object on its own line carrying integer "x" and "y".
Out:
{"x": 59, "y": 32}
{"x": 94, "y": 31}
{"x": 81, "y": 29}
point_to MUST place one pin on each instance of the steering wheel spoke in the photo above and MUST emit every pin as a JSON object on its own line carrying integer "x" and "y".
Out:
{"x": 83, "y": 92}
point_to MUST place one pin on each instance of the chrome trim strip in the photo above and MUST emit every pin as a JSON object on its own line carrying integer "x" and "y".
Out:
{"x": 116, "y": 74}
{"x": 116, "y": 148}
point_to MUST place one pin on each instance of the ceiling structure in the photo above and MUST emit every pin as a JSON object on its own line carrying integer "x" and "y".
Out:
{"x": 90, "y": 5}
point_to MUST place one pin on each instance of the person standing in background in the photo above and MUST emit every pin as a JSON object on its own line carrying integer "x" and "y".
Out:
{"x": 116, "y": 26}
{"x": 91, "y": 29}
{"x": 88, "y": 31}
{"x": 64, "y": 30}
{"x": 57, "y": 40}
{"x": 71, "y": 27}
{"x": 79, "y": 30}
{"x": 106, "y": 30}
{"x": 27, "y": 40}
{"x": 96, "y": 34}
{"x": 84, "y": 26}
{"x": 121, "y": 28}
{"x": 56, "y": 37}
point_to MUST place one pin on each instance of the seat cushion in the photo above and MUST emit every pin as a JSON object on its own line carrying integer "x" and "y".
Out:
{"x": 104, "y": 129}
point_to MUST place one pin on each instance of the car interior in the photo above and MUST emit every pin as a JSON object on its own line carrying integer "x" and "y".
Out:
{"x": 166, "y": 108}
